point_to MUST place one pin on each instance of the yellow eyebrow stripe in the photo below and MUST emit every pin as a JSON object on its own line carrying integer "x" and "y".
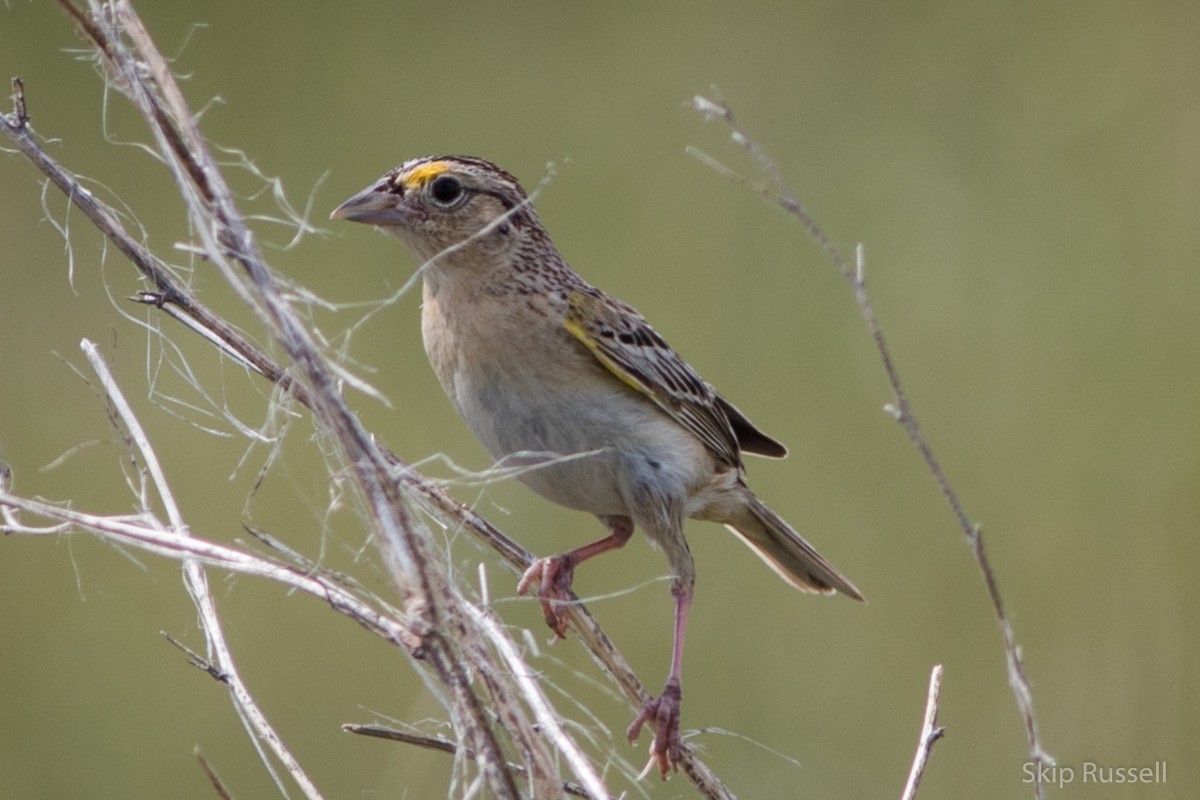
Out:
{"x": 419, "y": 176}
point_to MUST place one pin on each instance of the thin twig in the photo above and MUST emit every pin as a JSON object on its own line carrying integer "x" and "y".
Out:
{"x": 169, "y": 293}
{"x": 20, "y": 113}
{"x": 930, "y": 733}
{"x": 197, "y": 583}
{"x": 218, "y": 786}
{"x": 899, "y": 408}
{"x": 441, "y": 745}
{"x": 147, "y": 533}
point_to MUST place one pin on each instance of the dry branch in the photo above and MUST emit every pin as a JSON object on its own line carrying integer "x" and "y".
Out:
{"x": 778, "y": 192}
{"x": 493, "y": 708}
{"x": 930, "y": 733}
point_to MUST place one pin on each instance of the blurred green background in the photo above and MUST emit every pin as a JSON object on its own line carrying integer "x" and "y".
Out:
{"x": 1026, "y": 179}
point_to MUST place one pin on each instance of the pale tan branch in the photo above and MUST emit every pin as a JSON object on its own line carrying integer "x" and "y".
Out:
{"x": 197, "y": 582}
{"x": 930, "y": 733}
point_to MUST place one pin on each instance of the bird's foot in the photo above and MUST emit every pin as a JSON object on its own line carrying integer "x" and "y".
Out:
{"x": 554, "y": 574}
{"x": 661, "y": 714}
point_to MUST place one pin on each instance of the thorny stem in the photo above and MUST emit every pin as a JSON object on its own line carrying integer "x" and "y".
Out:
{"x": 779, "y": 193}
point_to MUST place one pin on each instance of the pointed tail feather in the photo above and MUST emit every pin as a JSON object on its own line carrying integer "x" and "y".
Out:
{"x": 786, "y": 552}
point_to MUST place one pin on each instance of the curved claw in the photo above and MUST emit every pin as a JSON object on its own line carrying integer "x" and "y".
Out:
{"x": 661, "y": 714}
{"x": 555, "y": 574}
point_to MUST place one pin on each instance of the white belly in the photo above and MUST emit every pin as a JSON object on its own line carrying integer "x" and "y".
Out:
{"x": 592, "y": 447}
{"x": 591, "y": 442}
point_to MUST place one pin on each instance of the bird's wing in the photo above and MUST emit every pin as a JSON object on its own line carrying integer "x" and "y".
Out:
{"x": 749, "y": 438}
{"x": 631, "y": 350}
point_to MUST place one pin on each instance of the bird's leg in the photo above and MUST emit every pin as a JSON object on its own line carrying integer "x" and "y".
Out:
{"x": 662, "y": 713}
{"x": 556, "y": 572}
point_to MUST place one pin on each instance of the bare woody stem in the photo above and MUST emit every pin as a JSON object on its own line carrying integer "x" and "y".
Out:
{"x": 778, "y": 193}
{"x": 388, "y": 485}
{"x": 930, "y": 733}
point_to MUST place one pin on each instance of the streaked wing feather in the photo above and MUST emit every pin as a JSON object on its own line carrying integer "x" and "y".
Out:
{"x": 629, "y": 348}
{"x": 749, "y": 437}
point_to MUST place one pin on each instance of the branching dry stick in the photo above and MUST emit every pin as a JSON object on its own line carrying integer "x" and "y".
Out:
{"x": 197, "y": 583}
{"x": 145, "y": 532}
{"x": 169, "y": 294}
{"x": 141, "y": 73}
{"x": 899, "y": 408}
{"x": 930, "y": 733}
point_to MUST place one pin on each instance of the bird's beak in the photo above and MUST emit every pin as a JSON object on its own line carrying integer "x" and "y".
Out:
{"x": 375, "y": 205}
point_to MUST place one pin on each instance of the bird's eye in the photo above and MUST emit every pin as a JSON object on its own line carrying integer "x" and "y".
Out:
{"x": 447, "y": 190}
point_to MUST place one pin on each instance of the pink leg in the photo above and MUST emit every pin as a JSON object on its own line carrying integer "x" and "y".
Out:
{"x": 662, "y": 713}
{"x": 556, "y": 572}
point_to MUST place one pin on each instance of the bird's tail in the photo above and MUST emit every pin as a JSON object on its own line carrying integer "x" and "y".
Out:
{"x": 786, "y": 552}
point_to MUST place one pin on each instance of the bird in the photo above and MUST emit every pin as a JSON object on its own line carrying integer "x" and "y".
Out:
{"x": 574, "y": 386}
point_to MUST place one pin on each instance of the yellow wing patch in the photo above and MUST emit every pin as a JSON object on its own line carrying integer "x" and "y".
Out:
{"x": 630, "y": 349}
{"x": 575, "y": 329}
{"x": 584, "y": 310}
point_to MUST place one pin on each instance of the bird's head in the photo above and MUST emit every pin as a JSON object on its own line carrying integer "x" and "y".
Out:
{"x": 456, "y": 208}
